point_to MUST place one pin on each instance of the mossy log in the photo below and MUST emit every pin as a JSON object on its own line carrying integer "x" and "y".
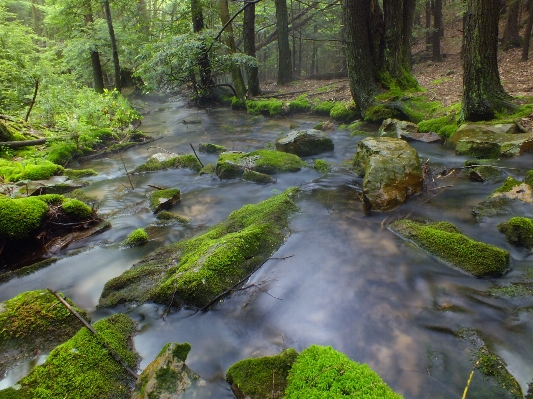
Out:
{"x": 23, "y": 143}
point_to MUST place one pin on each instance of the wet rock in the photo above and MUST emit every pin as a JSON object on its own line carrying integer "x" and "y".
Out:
{"x": 161, "y": 161}
{"x": 164, "y": 199}
{"x": 82, "y": 366}
{"x": 324, "y": 126}
{"x": 485, "y": 173}
{"x": 196, "y": 271}
{"x": 256, "y": 177}
{"x": 445, "y": 241}
{"x": 391, "y": 170}
{"x": 486, "y": 141}
{"x": 518, "y": 231}
{"x": 33, "y": 322}
{"x": 395, "y": 128}
{"x": 262, "y": 377}
{"x": 305, "y": 142}
{"x": 211, "y": 148}
{"x": 167, "y": 377}
{"x": 167, "y": 217}
{"x": 232, "y": 165}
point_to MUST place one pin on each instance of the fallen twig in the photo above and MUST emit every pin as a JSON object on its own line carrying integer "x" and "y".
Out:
{"x": 285, "y": 257}
{"x": 196, "y": 155}
{"x": 127, "y": 173}
{"x": 470, "y": 379}
{"x": 156, "y": 187}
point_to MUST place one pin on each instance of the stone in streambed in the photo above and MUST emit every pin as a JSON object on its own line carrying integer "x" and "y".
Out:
{"x": 305, "y": 142}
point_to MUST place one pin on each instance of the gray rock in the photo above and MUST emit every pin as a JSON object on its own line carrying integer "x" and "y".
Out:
{"x": 407, "y": 131}
{"x": 162, "y": 156}
{"x": 305, "y": 142}
{"x": 391, "y": 169}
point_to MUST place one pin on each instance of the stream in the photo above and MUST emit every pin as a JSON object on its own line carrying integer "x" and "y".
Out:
{"x": 346, "y": 281}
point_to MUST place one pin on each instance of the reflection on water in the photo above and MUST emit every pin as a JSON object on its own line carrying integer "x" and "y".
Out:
{"x": 349, "y": 282}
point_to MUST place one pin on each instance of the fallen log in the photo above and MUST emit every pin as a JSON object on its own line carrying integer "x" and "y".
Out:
{"x": 24, "y": 143}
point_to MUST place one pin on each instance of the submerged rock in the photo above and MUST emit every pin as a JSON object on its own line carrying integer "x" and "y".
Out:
{"x": 232, "y": 165}
{"x": 167, "y": 377}
{"x": 31, "y": 322}
{"x": 82, "y": 367}
{"x": 391, "y": 170}
{"x": 164, "y": 199}
{"x": 484, "y": 141}
{"x": 196, "y": 271}
{"x": 445, "y": 241}
{"x": 262, "y": 377}
{"x": 163, "y": 161}
{"x": 518, "y": 231}
{"x": 305, "y": 142}
{"x": 211, "y": 148}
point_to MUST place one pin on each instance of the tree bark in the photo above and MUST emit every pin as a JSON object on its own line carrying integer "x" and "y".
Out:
{"x": 527, "y": 33}
{"x": 238, "y": 81}
{"x": 248, "y": 34}
{"x": 483, "y": 93}
{"x": 511, "y": 34}
{"x": 116, "y": 63}
{"x": 284, "y": 53}
{"x": 437, "y": 30}
{"x": 98, "y": 76}
{"x": 204, "y": 65}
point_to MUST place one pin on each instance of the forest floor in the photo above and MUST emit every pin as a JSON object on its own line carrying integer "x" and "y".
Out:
{"x": 443, "y": 81}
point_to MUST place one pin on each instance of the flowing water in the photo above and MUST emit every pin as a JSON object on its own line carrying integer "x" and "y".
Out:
{"x": 345, "y": 280}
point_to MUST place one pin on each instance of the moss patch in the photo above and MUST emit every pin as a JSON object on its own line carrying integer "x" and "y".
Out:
{"x": 194, "y": 271}
{"x": 180, "y": 161}
{"x": 445, "y": 126}
{"x": 343, "y": 111}
{"x": 255, "y": 377}
{"x": 211, "y": 148}
{"x": 136, "y": 238}
{"x": 166, "y": 216}
{"x": 508, "y": 185}
{"x": 38, "y": 170}
{"x": 518, "y": 231}
{"x": 20, "y": 217}
{"x": 33, "y": 319}
{"x": 445, "y": 241}
{"x": 323, "y": 373}
{"x": 322, "y": 166}
{"x": 301, "y": 104}
{"x": 82, "y": 367}
{"x": 323, "y": 108}
{"x": 76, "y": 209}
{"x": 270, "y": 107}
{"x": 79, "y": 173}
{"x": 161, "y": 199}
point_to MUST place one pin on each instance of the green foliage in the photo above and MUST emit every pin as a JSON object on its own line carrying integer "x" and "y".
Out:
{"x": 273, "y": 107}
{"x": 263, "y": 377}
{"x": 20, "y": 217}
{"x": 136, "y": 238}
{"x": 518, "y": 231}
{"x": 76, "y": 209}
{"x": 323, "y": 373}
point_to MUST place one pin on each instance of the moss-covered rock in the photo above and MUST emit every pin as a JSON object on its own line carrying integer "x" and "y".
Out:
{"x": 257, "y": 177}
{"x": 82, "y": 367}
{"x": 76, "y": 209}
{"x": 79, "y": 173}
{"x": 163, "y": 199}
{"x": 484, "y": 173}
{"x": 270, "y": 107}
{"x": 33, "y": 319}
{"x": 20, "y": 217}
{"x": 208, "y": 169}
{"x": 518, "y": 231}
{"x": 195, "y": 271}
{"x": 300, "y": 104}
{"x": 263, "y": 377}
{"x": 136, "y": 238}
{"x": 322, "y": 166}
{"x": 62, "y": 153}
{"x": 445, "y": 126}
{"x": 391, "y": 170}
{"x": 323, "y": 373}
{"x": 232, "y": 165}
{"x": 164, "y": 161}
{"x": 211, "y": 148}
{"x": 37, "y": 170}
{"x": 169, "y": 217}
{"x": 167, "y": 376}
{"x": 445, "y": 241}
{"x": 305, "y": 142}
{"x": 323, "y": 108}
{"x": 343, "y": 112}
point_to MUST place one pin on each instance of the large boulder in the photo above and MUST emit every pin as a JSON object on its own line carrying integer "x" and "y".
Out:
{"x": 489, "y": 141}
{"x": 406, "y": 130}
{"x": 391, "y": 171}
{"x": 305, "y": 142}
{"x": 167, "y": 376}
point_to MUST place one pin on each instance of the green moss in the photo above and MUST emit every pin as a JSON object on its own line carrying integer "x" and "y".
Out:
{"x": 272, "y": 107}
{"x": 181, "y": 351}
{"x": 82, "y": 367}
{"x": 529, "y": 178}
{"x": 136, "y": 238}
{"x": 208, "y": 169}
{"x": 20, "y": 217}
{"x": 323, "y": 373}
{"x": 81, "y": 196}
{"x": 518, "y": 231}
{"x": 38, "y": 170}
{"x": 445, "y": 126}
{"x": 322, "y": 166}
{"x": 263, "y": 377}
{"x": 378, "y": 113}
{"x": 237, "y": 103}
{"x": 343, "y": 111}
{"x": 196, "y": 270}
{"x": 211, "y": 148}
{"x": 61, "y": 153}
{"x": 257, "y": 177}
{"x": 79, "y": 173}
{"x": 33, "y": 319}
{"x": 167, "y": 216}
{"x": 445, "y": 241}
{"x": 301, "y": 104}
{"x": 508, "y": 185}
{"x": 77, "y": 209}
{"x": 159, "y": 197}
{"x": 323, "y": 108}
{"x": 180, "y": 161}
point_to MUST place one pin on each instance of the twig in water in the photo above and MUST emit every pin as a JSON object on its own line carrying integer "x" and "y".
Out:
{"x": 127, "y": 173}
{"x": 156, "y": 187}
{"x": 196, "y": 155}
{"x": 285, "y": 257}
{"x": 169, "y": 305}
{"x": 470, "y": 379}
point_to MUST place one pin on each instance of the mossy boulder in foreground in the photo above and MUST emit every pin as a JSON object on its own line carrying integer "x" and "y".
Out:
{"x": 195, "y": 271}
{"x": 391, "y": 171}
{"x": 263, "y": 377}
{"x": 232, "y": 165}
{"x": 82, "y": 367}
{"x": 445, "y": 241}
{"x": 167, "y": 376}
{"x": 518, "y": 231}
{"x": 33, "y": 320}
{"x": 305, "y": 142}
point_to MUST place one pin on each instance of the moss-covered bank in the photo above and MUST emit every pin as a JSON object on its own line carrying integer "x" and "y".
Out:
{"x": 446, "y": 241}
{"x": 195, "y": 271}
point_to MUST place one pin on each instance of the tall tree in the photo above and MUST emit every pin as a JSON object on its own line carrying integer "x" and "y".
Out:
{"x": 116, "y": 61}
{"x": 511, "y": 33}
{"x": 438, "y": 28}
{"x": 483, "y": 93}
{"x": 98, "y": 77}
{"x": 248, "y": 33}
{"x": 284, "y": 52}
{"x": 204, "y": 65}
{"x": 527, "y": 33}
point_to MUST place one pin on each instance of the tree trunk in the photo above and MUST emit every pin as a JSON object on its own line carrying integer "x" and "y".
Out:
{"x": 98, "y": 76}
{"x": 483, "y": 93}
{"x": 238, "y": 81}
{"x": 284, "y": 53}
{"x": 116, "y": 63}
{"x": 511, "y": 33}
{"x": 527, "y": 33}
{"x": 428, "y": 25}
{"x": 204, "y": 66}
{"x": 359, "y": 57}
{"x": 36, "y": 17}
{"x": 248, "y": 34}
{"x": 437, "y": 30}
